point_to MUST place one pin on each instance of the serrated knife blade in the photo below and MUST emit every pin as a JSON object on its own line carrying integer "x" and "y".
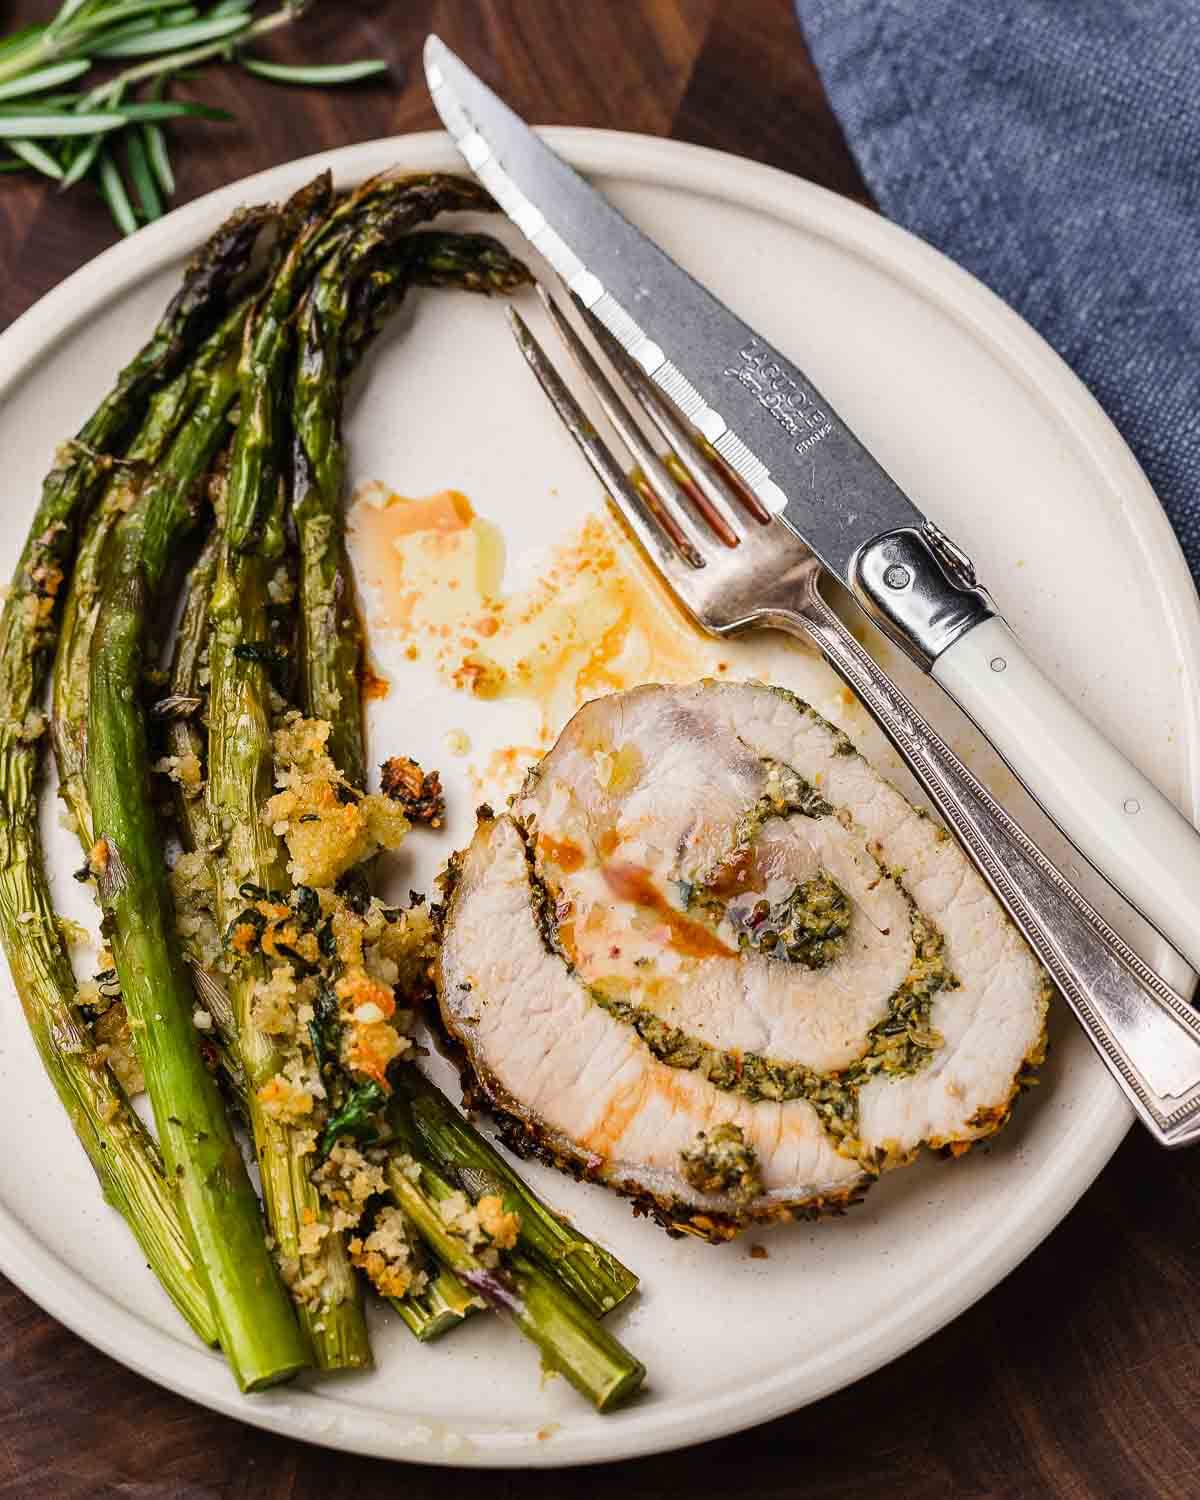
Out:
{"x": 763, "y": 415}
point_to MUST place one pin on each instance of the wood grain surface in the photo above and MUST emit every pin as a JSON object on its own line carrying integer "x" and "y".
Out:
{"x": 1079, "y": 1376}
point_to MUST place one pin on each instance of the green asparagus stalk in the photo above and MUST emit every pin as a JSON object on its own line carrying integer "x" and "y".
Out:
{"x": 240, "y": 753}
{"x": 258, "y": 1330}
{"x": 572, "y": 1342}
{"x": 432, "y": 258}
{"x": 338, "y": 318}
{"x": 184, "y": 738}
{"x": 331, "y": 637}
{"x": 181, "y": 708}
{"x": 384, "y": 207}
{"x": 439, "y": 1309}
{"x": 172, "y": 407}
{"x": 595, "y": 1276}
{"x": 331, "y": 640}
{"x": 121, "y": 1152}
{"x": 69, "y": 688}
{"x": 241, "y": 781}
{"x": 240, "y": 777}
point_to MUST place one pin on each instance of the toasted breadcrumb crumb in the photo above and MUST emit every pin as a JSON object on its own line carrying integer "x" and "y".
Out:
{"x": 184, "y": 771}
{"x": 286, "y": 1100}
{"x": 349, "y": 1180}
{"x": 500, "y": 1227}
{"x": 418, "y": 793}
{"x": 386, "y": 1255}
{"x": 327, "y": 826}
{"x": 485, "y": 1227}
{"x": 193, "y": 892}
{"x": 114, "y": 1045}
{"x": 72, "y": 933}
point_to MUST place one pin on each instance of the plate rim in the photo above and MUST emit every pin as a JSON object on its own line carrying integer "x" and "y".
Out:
{"x": 724, "y": 177}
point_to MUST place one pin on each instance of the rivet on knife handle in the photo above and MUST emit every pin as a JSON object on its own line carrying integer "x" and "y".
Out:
{"x": 922, "y": 600}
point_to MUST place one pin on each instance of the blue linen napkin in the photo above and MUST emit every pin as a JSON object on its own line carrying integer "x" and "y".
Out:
{"x": 1052, "y": 147}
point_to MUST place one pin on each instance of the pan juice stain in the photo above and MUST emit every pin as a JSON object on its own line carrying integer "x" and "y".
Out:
{"x": 595, "y": 620}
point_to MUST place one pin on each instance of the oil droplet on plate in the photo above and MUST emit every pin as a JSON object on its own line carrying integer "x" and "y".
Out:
{"x": 596, "y": 619}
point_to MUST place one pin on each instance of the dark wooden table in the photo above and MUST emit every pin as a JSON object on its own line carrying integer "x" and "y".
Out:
{"x": 1078, "y": 1376}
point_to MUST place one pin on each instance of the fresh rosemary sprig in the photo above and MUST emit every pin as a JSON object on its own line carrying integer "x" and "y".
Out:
{"x": 108, "y": 134}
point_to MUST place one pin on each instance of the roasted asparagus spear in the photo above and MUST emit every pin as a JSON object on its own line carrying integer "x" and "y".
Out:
{"x": 240, "y": 746}
{"x": 257, "y": 1327}
{"x": 572, "y": 1342}
{"x": 124, "y": 1157}
{"x": 592, "y": 1273}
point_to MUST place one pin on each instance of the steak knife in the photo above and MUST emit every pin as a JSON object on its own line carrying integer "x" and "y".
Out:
{"x": 771, "y": 424}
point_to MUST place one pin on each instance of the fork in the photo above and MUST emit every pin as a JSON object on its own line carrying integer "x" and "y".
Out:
{"x": 733, "y": 566}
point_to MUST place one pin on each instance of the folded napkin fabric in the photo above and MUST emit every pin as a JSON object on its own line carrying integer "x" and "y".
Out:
{"x": 1052, "y": 147}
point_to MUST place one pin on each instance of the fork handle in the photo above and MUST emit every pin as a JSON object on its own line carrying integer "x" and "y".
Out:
{"x": 1117, "y": 819}
{"x": 1147, "y": 1035}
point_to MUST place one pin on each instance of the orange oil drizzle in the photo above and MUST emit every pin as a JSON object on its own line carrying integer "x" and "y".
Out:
{"x": 632, "y": 883}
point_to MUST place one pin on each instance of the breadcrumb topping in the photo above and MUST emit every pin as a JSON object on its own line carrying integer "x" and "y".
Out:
{"x": 194, "y": 896}
{"x": 348, "y": 1180}
{"x": 387, "y": 1255}
{"x": 485, "y": 1226}
{"x": 418, "y": 793}
{"x": 184, "y": 771}
{"x": 115, "y": 1046}
{"x": 326, "y": 825}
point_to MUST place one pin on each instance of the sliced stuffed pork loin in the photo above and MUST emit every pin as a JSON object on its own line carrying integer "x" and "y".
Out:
{"x": 713, "y": 959}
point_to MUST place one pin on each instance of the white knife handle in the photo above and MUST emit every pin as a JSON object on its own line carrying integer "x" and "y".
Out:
{"x": 1128, "y": 830}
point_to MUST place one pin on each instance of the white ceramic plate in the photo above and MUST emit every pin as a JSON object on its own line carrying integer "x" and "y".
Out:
{"x": 972, "y": 413}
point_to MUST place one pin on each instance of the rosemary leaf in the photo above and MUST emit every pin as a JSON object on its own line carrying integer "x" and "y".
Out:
{"x": 109, "y": 43}
{"x": 124, "y": 10}
{"x": 44, "y": 78}
{"x": 168, "y": 109}
{"x": 37, "y": 157}
{"x": 316, "y": 73}
{"x": 19, "y": 39}
{"x": 163, "y": 40}
{"x": 81, "y": 164}
{"x": 52, "y": 126}
{"x": 112, "y": 190}
{"x": 142, "y": 177}
{"x": 66, "y": 12}
{"x": 159, "y": 157}
{"x": 169, "y": 38}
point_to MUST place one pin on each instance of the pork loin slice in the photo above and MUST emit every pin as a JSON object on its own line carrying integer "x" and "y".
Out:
{"x": 714, "y": 959}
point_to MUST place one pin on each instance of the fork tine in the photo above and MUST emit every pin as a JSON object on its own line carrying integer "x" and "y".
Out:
{"x": 663, "y": 488}
{"x": 704, "y": 470}
{"x": 647, "y": 524}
